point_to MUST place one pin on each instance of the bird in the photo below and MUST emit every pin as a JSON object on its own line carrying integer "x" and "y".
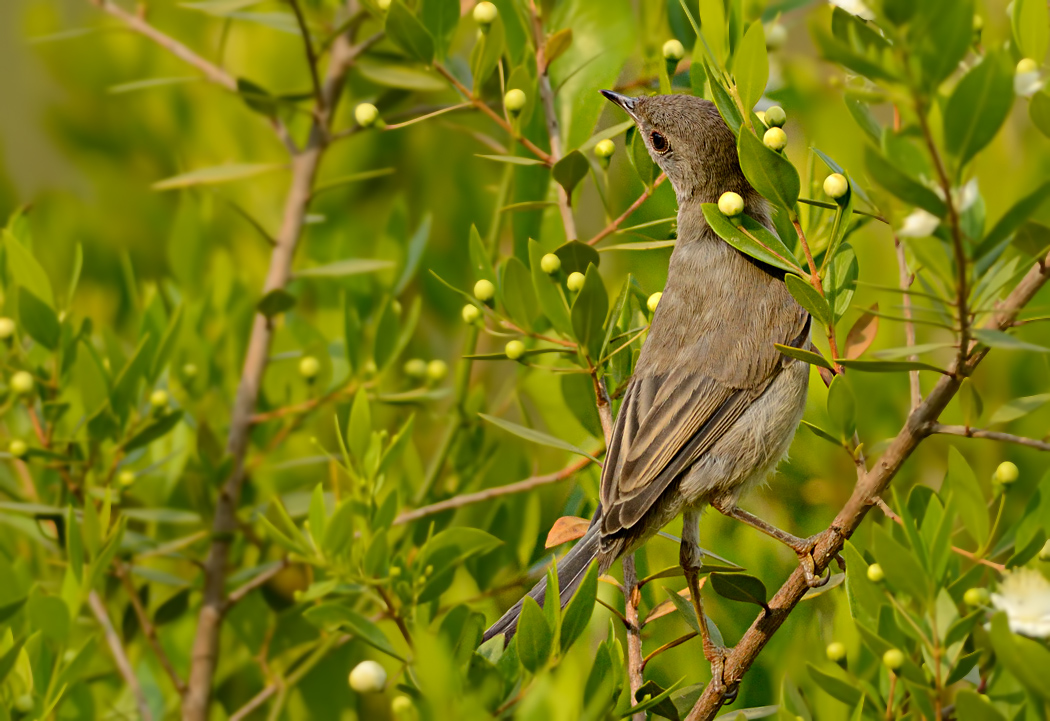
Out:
{"x": 712, "y": 405}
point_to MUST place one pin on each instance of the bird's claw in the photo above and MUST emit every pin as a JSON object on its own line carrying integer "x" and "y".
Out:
{"x": 716, "y": 656}
{"x": 809, "y": 564}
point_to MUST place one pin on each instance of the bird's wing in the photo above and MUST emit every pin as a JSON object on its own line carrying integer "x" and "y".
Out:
{"x": 667, "y": 422}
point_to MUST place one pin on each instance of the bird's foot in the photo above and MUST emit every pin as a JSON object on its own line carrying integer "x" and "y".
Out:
{"x": 804, "y": 550}
{"x": 716, "y": 655}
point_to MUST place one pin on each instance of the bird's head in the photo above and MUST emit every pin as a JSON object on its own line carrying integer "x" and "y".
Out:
{"x": 690, "y": 142}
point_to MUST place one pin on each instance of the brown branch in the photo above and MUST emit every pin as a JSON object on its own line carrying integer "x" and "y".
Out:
{"x": 148, "y": 629}
{"x": 239, "y": 594}
{"x": 615, "y": 225}
{"x": 119, "y": 657}
{"x": 311, "y": 56}
{"x": 906, "y": 279}
{"x": 632, "y": 596}
{"x": 990, "y": 435}
{"x": 875, "y": 481}
{"x": 467, "y": 499}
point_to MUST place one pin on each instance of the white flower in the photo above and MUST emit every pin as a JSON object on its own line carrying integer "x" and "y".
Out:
{"x": 920, "y": 224}
{"x": 1024, "y": 595}
{"x": 856, "y": 7}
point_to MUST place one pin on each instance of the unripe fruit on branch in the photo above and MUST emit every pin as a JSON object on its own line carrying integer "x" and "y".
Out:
{"x": 514, "y": 349}
{"x": 514, "y": 101}
{"x": 875, "y": 573}
{"x": 604, "y": 149}
{"x": 22, "y": 383}
{"x": 776, "y": 36}
{"x": 437, "y": 369}
{"x": 484, "y": 290}
{"x": 653, "y": 301}
{"x": 575, "y": 281}
{"x": 1027, "y": 65}
{"x": 775, "y": 116}
{"x": 18, "y": 448}
{"x": 158, "y": 398}
{"x": 836, "y": 651}
{"x": 976, "y": 597}
{"x": 126, "y": 478}
{"x": 471, "y": 313}
{"x": 309, "y": 367}
{"x": 368, "y": 677}
{"x": 550, "y": 264}
{"x": 1006, "y": 473}
{"x": 893, "y": 659}
{"x": 775, "y": 138}
{"x": 836, "y": 185}
{"x": 416, "y": 367}
{"x": 485, "y": 13}
{"x": 673, "y": 50}
{"x": 7, "y": 328}
{"x": 730, "y": 204}
{"x": 366, "y": 115}
{"x": 384, "y": 5}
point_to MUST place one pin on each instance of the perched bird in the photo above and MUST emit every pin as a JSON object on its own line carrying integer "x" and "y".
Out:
{"x": 712, "y": 405}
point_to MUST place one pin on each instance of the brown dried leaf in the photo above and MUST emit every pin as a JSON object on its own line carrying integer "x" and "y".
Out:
{"x": 862, "y": 334}
{"x": 566, "y": 528}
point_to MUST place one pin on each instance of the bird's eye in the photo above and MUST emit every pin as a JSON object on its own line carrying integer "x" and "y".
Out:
{"x": 659, "y": 142}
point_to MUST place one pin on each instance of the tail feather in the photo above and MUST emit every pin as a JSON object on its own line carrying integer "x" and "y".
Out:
{"x": 571, "y": 571}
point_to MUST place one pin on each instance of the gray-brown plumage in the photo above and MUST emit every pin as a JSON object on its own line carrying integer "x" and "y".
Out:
{"x": 712, "y": 406}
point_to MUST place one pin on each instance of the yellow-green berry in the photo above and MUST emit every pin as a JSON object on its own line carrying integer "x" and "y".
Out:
{"x": 383, "y": 5}
{"x": 514, "y": 349}
{"x": 653, "y": 301}
{"x": 978, "y": 23}
{"x": 158, "y": 398}
{"x": 1044, "y": 552}
{"x": 484, "y": 290}
{"x": 836, "y": 185}
{"x": 514, "y": 101}
{"x": 604, "y": 149}
{"x": 893, "y": 659}
{"x": 368, "y": 677}
{"x": 126, "y": 478}
{"x": 189, "y": 370}
{"x": 366, "y": 114}
{"x": 416, "y": 367}
{"x": 471, "y": 313}
{"x": 24, "y": 703}
{"x": 550, "y": 263}
{"x": 1006, "y": 473}
{"x": 485, "y": 14}
{"x": 1027, "y": 65}
{"x": 730, "y": 204}
{"x": 836, "y": 651}
{"x": 575, "y": 281}
{"x": 437, "y": 369}
{"x": 673, "y": 50}
{"x": 775, "y": 116}
{"x": 875, "y": 573}
{"x": 976, "y": 597}
{"x": 7, "y": 328}
{"x": 18, "y": 448}
{"x": 22, "y": 383}
{"x": 776, "y": 36}
{"x": 309, "y": 367}
{"x": 401, "y": 706}
{"x": 775, "y": 138}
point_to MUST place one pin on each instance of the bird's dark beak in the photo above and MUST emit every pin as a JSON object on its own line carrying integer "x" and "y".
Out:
{"x": 624, "y": 101}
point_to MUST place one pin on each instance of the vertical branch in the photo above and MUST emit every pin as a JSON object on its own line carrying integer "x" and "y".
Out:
{"x": 149, "y": 630}
{"x": 119, "y": 657}
{"x": 906, "y": 279}
{"x": 814, "y": 277}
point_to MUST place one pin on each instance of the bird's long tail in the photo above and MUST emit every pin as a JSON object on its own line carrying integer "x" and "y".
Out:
{"x": 571, "y": 571}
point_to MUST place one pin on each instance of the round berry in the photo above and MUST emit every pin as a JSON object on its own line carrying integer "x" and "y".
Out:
{"x": 368, "y": 677}
{"x": 18, "y": 448}
{"x": 653, "y": 301}
{"x": 401, "y": 705}
{"x": 1006, "y": 473}
{"x": 366, "y": 115}
{"x": 875, "y": 573}
{"x": 309, "y": 367}
{"x": 976, "y": 597}
{"x": 575, "y": 281}
{"x": 485, "y": 14}
{"x": 836, "y": 185}
{"x": 550, "y": 263}
{"x": 384, "y": 5}
{"x": 7, "y": 328}
{"x": 471, "y": 313}
{"x": 775, "y": 138}
{"x": 126, "y": 478}
{"x": 514, "y": 101}
{"x": 514, "y": 349}
{"x": 158, "y": 398}
{"x": 605, "y": 148}
{"x": 189, "y": 370}
{"x": 730, "y": 204}
{"x": 978, "y": 23}
{"x": 836, "y": 651}
{"x": 416, "y": 367}
{"x": 673, "y": 50}
{"x": 22, "y": 383}
{"x": 775, "y": 116}
{"x": 437, "y": 369}
{"x": 484, "y": 290}
{"x": 1027, "y": 65}
{"x": 893, "y": 659}
{"x": 24, "y": 703}
{"x": 776, "y": 36}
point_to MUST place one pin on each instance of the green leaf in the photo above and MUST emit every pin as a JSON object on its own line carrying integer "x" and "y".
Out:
{"x": 821, "y": 433}
{"x": 557, "y": 44}
{"x": 640, "y": 158}
{"x": 840, "y": 280}
{"x": 255, "y": 97}
{"x": 10, "y": 609}
{"x": 414, "y": 253}
{"x": 275, "y": 302}
{"x": 901, "y": 185}
{"x": 1019, "y": 407}
{"x": 519, "y": 294}
{"x": 335, "y": 615}
{"x": 399, "y": 74}
{"x": 751, "y": 65}
{"x": 658, "y": 703}
{"x": 843, "y": 690}
{"x": 173, "y": 608}
{"x": 406, "y": 32}
{"x": 1030, "y": 21}
{"x": 575, "y": 257}
{"x": 803, "y": 355}
{"x": 513, "y": 159}
{"x": 902, "y": 569}
{"x": 1026, "y": 659}
{"x": 50, "y": 616}
{"x": 739, "y": 587}
{"x": 875, "y": 366}
{"x": 684, "y": 607}
{"x": 535, "y": 436}
{"x": 534, "y": 636}
{"x": 942, "y": 31}
{"x": 577, "y": 389}
{"x": 842, "y": 407}
{"x": 1014, "y": 218}
{"x": 808, "y": 297}
{"x": 26, "y": 271}
{"x": 1039, "y": 111}
{"x": 440, "y": 17}
{"x": 359, "y": 426}
{"x": 769, "y": 172}
{"x": 343, "y": 268}
{"x": 968, "y": 496}
{"x": 215, "y": 175}
{"x": 970, "y": 705}
{"x": 1005, "y": 341}
{"x": 723, "y": 101}
{"x": 978, "y": 106}
{"x": 10, "y": 657}
{"x": 578, "y": 611}
{"x": 588, "y": 314}
{"x": 39, "y": 320}
{"x": 864, "y": 596}
{"x": 757, "y": 242}
{"x": 570, "y": 170}
{"x": 154, "y": 430}
{"x": 486, "y": 54}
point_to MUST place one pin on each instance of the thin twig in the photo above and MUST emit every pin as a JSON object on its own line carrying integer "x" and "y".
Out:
{"x": 990, "y": 435}
{"x": 148, "y": 629}
{"x": 238, "y": 595}
{"x": 632, "y": 596}
{"x": 311, "y": 56}
{"x": 615, "y": 225}
{"x": 906, "y": 279}
{"x": 119, "y": 657}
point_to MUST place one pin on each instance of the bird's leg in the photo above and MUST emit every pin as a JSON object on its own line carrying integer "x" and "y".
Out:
{"x": 803, "y": 547}
{"x": 691, "y": 559}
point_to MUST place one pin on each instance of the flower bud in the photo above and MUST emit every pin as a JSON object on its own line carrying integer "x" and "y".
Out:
{"x": 776, "y": 36}
{"x": 309, "y": 367}
{"x": 978, "y": 23}
{"x": 775, "y": 138}
{"x": 471, "y": 313}
{"x": 776, "y": 117}
{"x": 158, "y": 398}
{"x": 22, "y": 383}
{"x": 514, "y": 349}
{"x": 484, "y": 290}
{"x": 126, "y": 478}
{"x": 1006, "y": 473}
{"x": 893, "y": 659}
{"x": 366, "y": 114}
{"x": 575, "y": 281}
{"x": 383, "y": 5}
{"x": 7, "y": 328}
{"x": 875, "y": 573}
{"x": 24, "y": 703}
{"x": 976, "y": 597}
{"x": 550, "y": 264}
{"x": 730, "y": 204}
{"x": 368, "y": 677}
{"x": 836, "y": 185}
{"x": 514, "y": 101}
{"x": 485, "y": 14}
{"x": 653, "y": 301}
{"x": 416, "y": 367}
{"x": 437, "y": 369}
{"x": 836, "y": 651}
{"x": 673, "y": 50}
{"x": 604, "y": 149}
{"x": 1027, "y": 65}
{"x": 403, "y": 708}
{"x": 18, "y": 448}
